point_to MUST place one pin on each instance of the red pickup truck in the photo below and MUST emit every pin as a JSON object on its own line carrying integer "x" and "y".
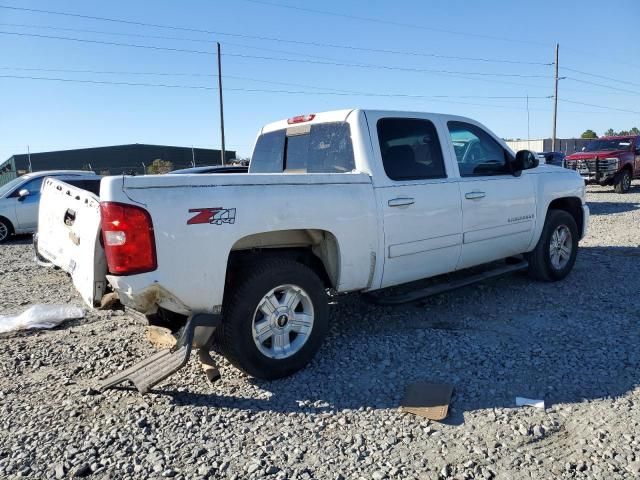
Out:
{"x": 608, "y": 161}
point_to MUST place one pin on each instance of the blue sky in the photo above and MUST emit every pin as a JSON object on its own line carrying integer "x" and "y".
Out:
{"x": 51, "y": 115}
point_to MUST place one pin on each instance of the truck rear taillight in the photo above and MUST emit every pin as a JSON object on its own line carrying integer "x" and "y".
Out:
{"x": 301, "y": 118}
{"x": 127, "y": 234}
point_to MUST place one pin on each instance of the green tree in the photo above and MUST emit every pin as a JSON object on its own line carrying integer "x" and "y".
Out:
{"x": 159, "y": 166}
{"x": 634, "y": 131}
{"x": 609, "y": 133}
{"x": 589, "y": 134}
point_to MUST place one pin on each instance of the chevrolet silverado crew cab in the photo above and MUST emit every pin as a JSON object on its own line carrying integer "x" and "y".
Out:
{"x": 608, "y": 161}
{"x": 342, "y": 201}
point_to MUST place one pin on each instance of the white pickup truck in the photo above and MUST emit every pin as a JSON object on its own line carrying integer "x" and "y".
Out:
{"x": 342, "y": 201}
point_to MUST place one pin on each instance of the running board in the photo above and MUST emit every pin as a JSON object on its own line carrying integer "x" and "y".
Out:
{"x": 161, "y": 365}
{"x": 447, "y": 286}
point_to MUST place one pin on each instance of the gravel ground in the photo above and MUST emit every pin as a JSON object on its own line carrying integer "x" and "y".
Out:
{"x": 573, "y": 343}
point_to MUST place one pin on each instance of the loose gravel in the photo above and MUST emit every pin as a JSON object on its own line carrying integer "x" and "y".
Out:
{"x": 574, "y": 344}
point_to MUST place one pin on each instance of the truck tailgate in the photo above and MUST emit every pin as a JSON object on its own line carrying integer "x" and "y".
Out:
{"x": 69, "y": 237}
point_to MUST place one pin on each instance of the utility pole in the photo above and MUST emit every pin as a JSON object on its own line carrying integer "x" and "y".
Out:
{"x": 555, "y": 101}
{"x": 29, "y": 157}
{"x": 193, "y": 157}
{"x": 528, "y": 129}
{"x": 221, "y": 108}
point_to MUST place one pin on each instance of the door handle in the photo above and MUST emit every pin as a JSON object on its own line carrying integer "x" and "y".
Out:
{"x": 401, "y": 202}
{"x": 475, "y": 195}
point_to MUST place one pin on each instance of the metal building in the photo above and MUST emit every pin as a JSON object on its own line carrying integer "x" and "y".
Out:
{"x": 113, "y": 160}
{"x": 564, "y": 145}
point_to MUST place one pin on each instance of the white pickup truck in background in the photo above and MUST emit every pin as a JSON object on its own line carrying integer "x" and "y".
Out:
{"x": 348, "y": 201}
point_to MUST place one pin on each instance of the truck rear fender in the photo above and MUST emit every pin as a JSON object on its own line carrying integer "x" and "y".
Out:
{"x": 319, "y": 249}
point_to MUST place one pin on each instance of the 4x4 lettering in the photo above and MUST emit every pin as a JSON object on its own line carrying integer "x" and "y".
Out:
{"x": 214, "y": 216}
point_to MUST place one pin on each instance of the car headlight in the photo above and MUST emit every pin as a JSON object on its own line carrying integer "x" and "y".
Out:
{"x": 613, "y": 161}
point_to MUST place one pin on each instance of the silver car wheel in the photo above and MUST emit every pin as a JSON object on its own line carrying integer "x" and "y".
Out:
{"x": 4, "y": 231}
{"x": 626, "y": 182}
{"x": 560, "y": 247}
{"x": 283, "y": 321}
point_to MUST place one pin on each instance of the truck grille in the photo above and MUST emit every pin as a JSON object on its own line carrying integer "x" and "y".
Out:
{"x": 594, "y": 165}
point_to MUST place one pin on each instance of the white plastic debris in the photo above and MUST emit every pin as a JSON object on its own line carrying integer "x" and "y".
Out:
{"x": 39, "y": 316}
{"x": 529, "y": 402}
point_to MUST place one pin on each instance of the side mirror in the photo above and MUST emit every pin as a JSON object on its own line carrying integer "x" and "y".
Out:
{"x": 524, "y": 161}
{"x": 22, "y": 194}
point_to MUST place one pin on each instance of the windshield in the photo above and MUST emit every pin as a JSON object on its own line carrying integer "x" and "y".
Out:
{"x": 7, "y": 187}
{"x": 608, "y": 145}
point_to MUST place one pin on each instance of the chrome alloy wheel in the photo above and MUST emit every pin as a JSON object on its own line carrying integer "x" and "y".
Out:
{"x": 626, "y": 182}
{"x": 560, "y": 247}
{"x": 283, "y": 321}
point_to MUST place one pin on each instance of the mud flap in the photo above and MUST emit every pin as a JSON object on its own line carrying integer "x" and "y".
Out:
{"x": 156, "y": 368}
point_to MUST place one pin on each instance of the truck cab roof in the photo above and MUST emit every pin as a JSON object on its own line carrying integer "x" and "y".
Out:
{"x": 343, "y": 115}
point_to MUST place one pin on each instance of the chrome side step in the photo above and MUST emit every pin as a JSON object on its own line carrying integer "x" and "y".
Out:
{"x": 164, "y": 363}
{"x": 415, "y": 295}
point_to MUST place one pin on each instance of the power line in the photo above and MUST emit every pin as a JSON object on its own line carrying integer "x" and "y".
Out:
{"x": 317, "y": 62}
{"x": 632, "y": 92}
{"x": 194, "y": 74}
{"x": 283, "y": 59}
{"x": 161, "y": 37}
{"x": 389, "y": 67}
{"x": 600, "y": 76}
{"x": 442, "y": 98}
{"x": 104, "y": 42}
{"x": 110, "y": 72}
{"x": 274, "y": 39}
{"x": 257, "y": 90}
{"x": 391, "y": 22}
{"x": 607, "y": 57}
{"x": 600, "y": 106}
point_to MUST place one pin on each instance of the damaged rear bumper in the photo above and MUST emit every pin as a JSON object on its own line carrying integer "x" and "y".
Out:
{"x": 139, "y": 295}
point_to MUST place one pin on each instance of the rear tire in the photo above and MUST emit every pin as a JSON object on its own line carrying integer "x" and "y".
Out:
{"x": 555, "y": 254}
{"x": 623, "y": 182}
{"x": 5, "y": 230}
{"x": 275, "y": 317}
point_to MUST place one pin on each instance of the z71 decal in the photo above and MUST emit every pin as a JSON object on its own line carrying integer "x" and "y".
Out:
{"x": 214, "y": 216}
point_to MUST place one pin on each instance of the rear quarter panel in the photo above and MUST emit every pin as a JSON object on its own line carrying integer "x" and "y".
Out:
{"x": 192, "y": 257}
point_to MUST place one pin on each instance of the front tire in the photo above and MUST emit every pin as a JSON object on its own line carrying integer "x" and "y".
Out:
{"x": 275, "y": 318}
{"x": 5, "y": 230}
{"x": 555, "y": 254}
{"x": 623, "y": 182}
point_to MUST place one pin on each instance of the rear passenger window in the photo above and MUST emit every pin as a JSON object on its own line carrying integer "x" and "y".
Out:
{"x": 410, "y": 149}
{"x": 268, "y": 153}
{"x": 320, "y": 148}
